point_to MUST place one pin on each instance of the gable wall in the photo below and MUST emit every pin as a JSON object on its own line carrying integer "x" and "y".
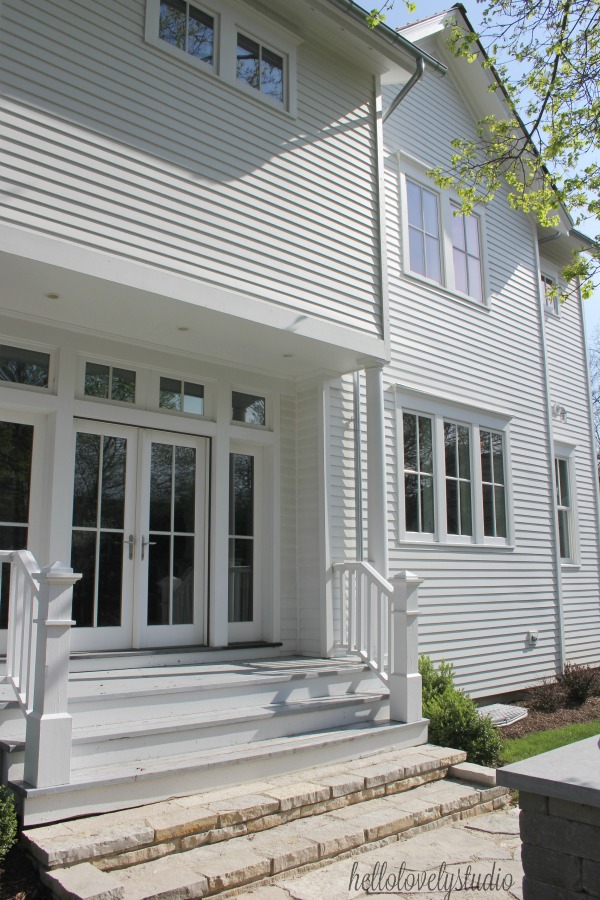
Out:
{"x": 117, "y": 146}
{"x": 477, "y": 602}
{"x": 567, "y": 368}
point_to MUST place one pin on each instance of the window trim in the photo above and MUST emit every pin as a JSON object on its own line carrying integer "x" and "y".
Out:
{"x": 476, "y": 418}
{"x": 229, "y": 20}
{"x": 412, "y": 169}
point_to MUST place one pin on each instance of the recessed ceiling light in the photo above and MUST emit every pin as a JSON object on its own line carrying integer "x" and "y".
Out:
{"x": 52, "y": 296}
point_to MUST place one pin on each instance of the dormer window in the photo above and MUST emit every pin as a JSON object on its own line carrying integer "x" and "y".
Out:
{"x": 188, "y": 28}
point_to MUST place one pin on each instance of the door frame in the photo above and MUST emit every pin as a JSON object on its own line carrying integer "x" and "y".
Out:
{"x": 134, "y": 633}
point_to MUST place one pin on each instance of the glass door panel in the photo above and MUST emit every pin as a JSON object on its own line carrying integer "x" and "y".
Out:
{"x": 103, "y": 535}
{"x": 16, "y": 453}
{"x": 172, "y": 559}
{"x": 244, "y": 608}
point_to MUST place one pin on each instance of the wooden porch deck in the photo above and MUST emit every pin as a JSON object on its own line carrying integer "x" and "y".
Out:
{"x": 143, "y": 733}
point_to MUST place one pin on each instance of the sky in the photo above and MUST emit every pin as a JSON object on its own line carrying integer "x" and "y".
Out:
{"x": 400, "y": 16}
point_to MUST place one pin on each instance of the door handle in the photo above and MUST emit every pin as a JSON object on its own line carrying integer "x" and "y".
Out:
{"x": 145, "y": 544}
{"x": 131, "y": 541}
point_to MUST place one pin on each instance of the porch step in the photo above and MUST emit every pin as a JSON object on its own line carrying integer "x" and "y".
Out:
{"x": 144, "y": 739}
{"x": 118, "y": 694}
{"x": 263, "y": 829}
{"x": 100, "y": 787}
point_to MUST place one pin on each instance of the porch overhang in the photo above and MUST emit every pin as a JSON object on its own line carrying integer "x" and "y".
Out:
{"x": 63, "y": 285}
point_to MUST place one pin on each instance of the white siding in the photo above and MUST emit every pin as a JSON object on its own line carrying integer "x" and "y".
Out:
{"x": 477, "y": 603}
{"x": 112, "y": 144}
{"x": 567, "y": 364}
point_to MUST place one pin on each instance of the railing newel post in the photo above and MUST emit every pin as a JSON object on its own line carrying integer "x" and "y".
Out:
{"x": 49, "y": 725}
{"x": 404, "y": 680}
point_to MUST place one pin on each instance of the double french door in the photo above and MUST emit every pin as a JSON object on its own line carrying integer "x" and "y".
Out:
{"x": 139, "y": 537}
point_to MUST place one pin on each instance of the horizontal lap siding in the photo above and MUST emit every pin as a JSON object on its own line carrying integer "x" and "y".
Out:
{"x": 477, "y": 604}
{"x": 567, "y": 365}
{"x": 110, "y": 143}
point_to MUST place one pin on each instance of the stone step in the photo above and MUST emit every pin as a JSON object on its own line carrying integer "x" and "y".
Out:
{"x": 104, "y": 787}
{"x": 218, "y": 841}
{"x": 209, "y": 814}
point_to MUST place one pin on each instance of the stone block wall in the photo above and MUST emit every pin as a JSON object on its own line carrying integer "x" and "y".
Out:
{"x": 560, "y": 848}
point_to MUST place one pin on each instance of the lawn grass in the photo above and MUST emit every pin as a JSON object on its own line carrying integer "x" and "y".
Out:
{"x": 542, "y": 741}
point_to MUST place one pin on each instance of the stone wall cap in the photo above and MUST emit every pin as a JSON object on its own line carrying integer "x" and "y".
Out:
{"x": 568, "y": 773}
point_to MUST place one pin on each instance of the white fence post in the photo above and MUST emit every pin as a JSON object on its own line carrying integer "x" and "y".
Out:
{"x": 49, "y": 725}
{"x": 404, "y": 680}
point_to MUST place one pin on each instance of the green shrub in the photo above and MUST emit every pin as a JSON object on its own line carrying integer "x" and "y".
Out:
{"x": 8, "y": 822}
{"x": 453, "y": 717}
{"x": 580, "y": 681}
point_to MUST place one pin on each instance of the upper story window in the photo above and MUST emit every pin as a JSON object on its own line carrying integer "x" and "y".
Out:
{"x": 20, "y": 365}
{"x": 466, "y": 252}
{"x": 260, "y": 68}
{"x": 109, "y": 382}
{"x": 244, "y": 49}
{"x": 550, "y": 294}
{"x": 188, "y": 28}
{"x": 439, "y": 242}
{"x": 423, "y": 231}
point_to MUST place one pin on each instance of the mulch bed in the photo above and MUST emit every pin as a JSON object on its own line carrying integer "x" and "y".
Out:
{"x": 568, "y": 713}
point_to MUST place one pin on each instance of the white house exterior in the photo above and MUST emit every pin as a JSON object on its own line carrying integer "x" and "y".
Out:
{"x": 203, "y": 239}
{"x": 491, "y": 355}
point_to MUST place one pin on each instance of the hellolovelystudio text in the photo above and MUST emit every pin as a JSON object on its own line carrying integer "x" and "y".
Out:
{"x": 396, "y": 881}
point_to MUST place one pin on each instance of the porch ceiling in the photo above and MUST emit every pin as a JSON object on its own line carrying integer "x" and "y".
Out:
{"x": 149, "y": 318}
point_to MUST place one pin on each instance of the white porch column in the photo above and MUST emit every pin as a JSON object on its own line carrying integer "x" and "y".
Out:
{"x": 376, "y": 475}
{"x": 218, "y": 611}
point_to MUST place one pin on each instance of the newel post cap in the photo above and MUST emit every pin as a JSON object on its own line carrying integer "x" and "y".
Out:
{"x": 59, "y": 573}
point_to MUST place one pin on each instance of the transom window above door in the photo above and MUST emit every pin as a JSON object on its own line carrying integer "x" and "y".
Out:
{"x": 181, "y": 396}
{"x": 109, "y": 382}
{"x": 24, "y": 366}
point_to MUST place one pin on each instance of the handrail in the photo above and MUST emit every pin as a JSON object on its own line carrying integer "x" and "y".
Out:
{"x": 378, "y": 621}
{"x": 22, "y": 631}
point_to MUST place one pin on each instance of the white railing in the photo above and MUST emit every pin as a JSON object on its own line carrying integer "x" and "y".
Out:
{"x": 37, "y": 662}
{"x": 378, "y": 620}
